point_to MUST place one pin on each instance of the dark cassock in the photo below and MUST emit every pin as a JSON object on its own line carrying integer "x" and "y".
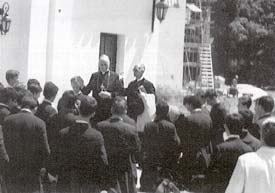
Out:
{"x": 108, "y": 81}
{"x": 65, "y": 118}
{"x": 160, "y": 148}
{"x": 48, "y": 114}
{"x": 218, "y": 113}
{"x": 84, "y": 157}
{"x": 45, "y": 111}
{"x": 194, "y": 133}
{"x": 121, "y": 142}
{"x": 134, "y": 102}
{"x": 27, "y": 146}
{"x": 4, "y": 159}
{"x": 4, "y": 112}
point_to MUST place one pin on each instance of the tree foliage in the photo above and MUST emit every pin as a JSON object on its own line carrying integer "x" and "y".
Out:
{"x": 244, "y": 39}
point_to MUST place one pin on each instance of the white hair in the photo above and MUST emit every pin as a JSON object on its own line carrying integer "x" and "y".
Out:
{"x": 105, "y": 58}
{"x": 139, "y": 67}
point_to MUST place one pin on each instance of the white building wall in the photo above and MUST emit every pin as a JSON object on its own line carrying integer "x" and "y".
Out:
{"x": 14, "y": 45}
{"x": 73, "y": 42}
{"x": 37, "y": 50}
{"x": 171, "y": 45}
{"x": 57, "y": 39}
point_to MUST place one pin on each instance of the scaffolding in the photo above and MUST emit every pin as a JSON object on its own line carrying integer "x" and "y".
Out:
{"x": 197, "y": 64}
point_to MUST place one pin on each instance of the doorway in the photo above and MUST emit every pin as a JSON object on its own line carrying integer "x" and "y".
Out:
{"x": 108, "y": 46}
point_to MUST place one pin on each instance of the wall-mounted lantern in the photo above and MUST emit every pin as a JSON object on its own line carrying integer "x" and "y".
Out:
{"x": 5, "y": 21}
{"x": 161, "y": 8}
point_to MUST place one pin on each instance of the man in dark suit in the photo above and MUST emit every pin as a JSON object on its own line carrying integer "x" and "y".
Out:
{"x": 84, "y": 152}
{"x": 33, "y": 85}
{"x": 226, "y": 154}
{"x": 8, "y": 99}
{"x": 263, "y": 112}
{"x": 160, "y": 148}
{"x": 217, "y": 114}
{"x": 47, "y": 113}
{"x": 105, "y": 85}
{"x": 26, "y": 143}
{"x": 140, "y": 84}
{"x": 194, "y": 133}
{"x": 121, "y": 142}
{"x": 246, "y": 136}
{"x": 45, "y": 110}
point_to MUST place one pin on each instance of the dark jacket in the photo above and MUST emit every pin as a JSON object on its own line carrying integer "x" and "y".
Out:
{"x": 110, "y": 82}
{"x": 223, "y": 162}
{"x": 250, "y": 140}
{"x": 83, "y": 154}
{"x": 27, "y": 146}
{"x": 134, "y": 102}
{"x": 160, "y": 148}
{"x": 4, "y": 112}
{"x": 121, "y": 141}
{"x": 194, "y": 133}
{"x": 218, "y": 113}
{"x": 4, "y": 158}
{"x": 45, "y": 111}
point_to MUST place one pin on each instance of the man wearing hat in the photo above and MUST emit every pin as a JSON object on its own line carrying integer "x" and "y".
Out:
{"x": 105, "y": 85}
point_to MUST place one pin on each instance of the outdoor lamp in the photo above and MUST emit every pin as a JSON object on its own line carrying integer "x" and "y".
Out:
{"x": 5, "y": 21}
{"x": 161, "y": 8}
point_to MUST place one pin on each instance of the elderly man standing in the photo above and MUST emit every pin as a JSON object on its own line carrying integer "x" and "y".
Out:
{"x": 105, "y": 85}
{"x": 135, "y": 89}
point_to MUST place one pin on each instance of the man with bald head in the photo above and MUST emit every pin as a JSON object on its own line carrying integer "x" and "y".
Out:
{"x": 140, "y": 84}
{"x": 105, "y": 85}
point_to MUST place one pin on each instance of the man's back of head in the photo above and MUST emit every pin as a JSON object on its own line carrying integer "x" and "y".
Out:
{"x": 119, "y": 106}
{"x": 234, "y": 123}
{"x": 88, "y": 106}
{"x": 211, "y": 96}
{"x": 192, "y": 102}
{"x": 29, "y": 102}
{"x": 162, "y": 109}
{"x": 268, "y": 134}
{"x": 50, "y": 91}
{"x": 8, "y": 94}
{"x": 12, "y": 77}
{"x": 32, "y": 81}
{"x": 247, "y": 117}
{"x": 266, "y": 103}
{"x": 244, "y": 103}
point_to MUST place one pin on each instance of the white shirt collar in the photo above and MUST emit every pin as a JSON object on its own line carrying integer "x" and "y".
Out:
{"x": 196, "y": 110}
{"x": 140, "y": 79}
{"x": 79, "y": 93}
{"x": 226, "y": 137}
{"x": 26, "y": 110}
{"x": 81, "y": 121}
{"x": 2, "y": 104}
{"x": 48, "y": 101}
{"x": 233, "y": 137}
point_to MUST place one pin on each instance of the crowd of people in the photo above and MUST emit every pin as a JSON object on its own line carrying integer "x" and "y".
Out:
{"x": 95, "y": 143}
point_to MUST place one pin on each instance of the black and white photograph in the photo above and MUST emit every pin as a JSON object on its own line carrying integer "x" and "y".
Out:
{"x": 137, "y": 96}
